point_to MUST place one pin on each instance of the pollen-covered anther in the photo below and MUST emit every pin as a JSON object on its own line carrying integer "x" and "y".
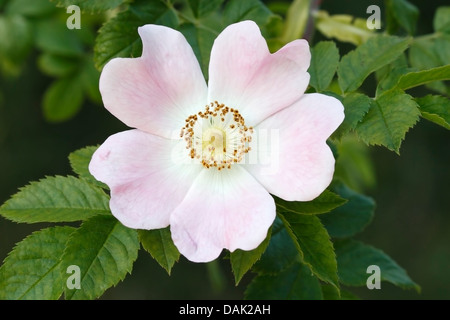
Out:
{"x": 217, "y": 136}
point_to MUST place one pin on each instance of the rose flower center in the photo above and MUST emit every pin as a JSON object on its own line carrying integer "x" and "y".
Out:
{"x": 217, "y": 136}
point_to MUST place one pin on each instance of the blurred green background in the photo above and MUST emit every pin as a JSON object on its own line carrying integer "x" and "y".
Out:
{"x": 412, "y": 219}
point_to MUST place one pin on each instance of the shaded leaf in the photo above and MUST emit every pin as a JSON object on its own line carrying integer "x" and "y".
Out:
{"x": 441, "y": 20}
{"x": 295, "y": 283}
{"x": 325, "y": 202}
{"x": 354, "y": 257}
{"x": 435, "y": 109}
{"x": 405, "y": 14}
{"x": 314, "y": 245}
{"x": 202, "y": 8}
{"x": 350, "y": 218}
{"x": 242, "y": 261}
{"x": 160, "y": 246}
{"x": 280, "y": 253}
{"x": 63, "y": 99}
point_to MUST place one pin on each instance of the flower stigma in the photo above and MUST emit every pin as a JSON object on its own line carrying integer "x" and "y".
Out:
{"x": 217, "y": 136}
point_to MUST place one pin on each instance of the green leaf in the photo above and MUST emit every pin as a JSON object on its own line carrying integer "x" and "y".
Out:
{"x": 356, "y": 106}
{"x": 435, "y": 109}
{"x": 35, "y": 8}
{"x": 343, "y": 27}
{"x": 297, "y": 17}
{"x": 105, "y": 251}
{"x": 324, "y": 63}
{"x": 441, "y": 20}
{"x": 427, "y": 54}
{"x": 160, "y": 246}
{"x": 418, "y": 78}
{"x": 294, "y": 283}
{"x": 15, "y": 42}
{"x": 32, "y": 269}
{"x": 354, "y": 257}
{"x": 325, "y": 202}
{"x": 238, "y": 10}
{"x": 202, "y": 8}
{"x": 90, "y": 78}
{"x": 91, "y": 6}
{"x": 57, "y": 66}
{"x": 56, "y": 199}
{"x": 377, "y": 52}
{"x": 354, "y": 166}
{"x": 330, "y": 293}
{"x": 242, "y": 261}
{"x": 63, "y": 99}
{"x": 201, "y": 41}
{"x": 314, "y": 245}
{"x": 391, "y": 115}
{"x": 405, "y": 14}
{"x": 280, "y": 254}
{"x": 352, "y": 217}
{"x": 79, "y": 161}
{"x": 52, "y": 36}
{"x": 118, "y": 37}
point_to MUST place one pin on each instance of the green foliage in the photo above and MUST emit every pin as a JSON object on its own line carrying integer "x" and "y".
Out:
{"x": 56, "y": 65}
{"x": 35, "y": 8}
{"x": 402, "y": 13}
{"x": 79, "y": 161}
{"x": 32, "y": 269}
{"x": 118, "y": 37}
{"x": 343, "y": 27}
{"x": 352, "y": 217}
{"x": 414, "y": 79}
{"x": 354, "y": 257}
{"x": 63, "y": 99}
{"x": 391, "y": 115}
{"x": 325, "y": 202}
{"x": 435, "y": 109}
{"x": 356, "y": 106}
{"x": 160, "y": 245}
{"x": 324, "y": 63}
{"x": 90, "y": 5}
{"x": 238, "y": 10}
{"x": 314, "y": 245}
{"x": 242, "y": 261}
{"x": 357, "y": 65}
{"x": 280, "y": 254}
{"x": 201, "y": 8}
{"x": 15, "y": 42}
{"x": 201, "y": 41}
{"x": 56, "y": 199}
{"x": 294, "y": 283}
{"x": 104, "y": 250}
{"x": 52, "y": 36}
{"x": 441, "y": 20}
{"x": 297, "y": 17}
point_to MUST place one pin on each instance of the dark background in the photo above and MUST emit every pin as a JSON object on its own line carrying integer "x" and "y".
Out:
{"x": 412, "y": 192}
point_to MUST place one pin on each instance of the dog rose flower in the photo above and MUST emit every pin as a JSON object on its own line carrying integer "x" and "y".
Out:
{"x": 205, "y": 158}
